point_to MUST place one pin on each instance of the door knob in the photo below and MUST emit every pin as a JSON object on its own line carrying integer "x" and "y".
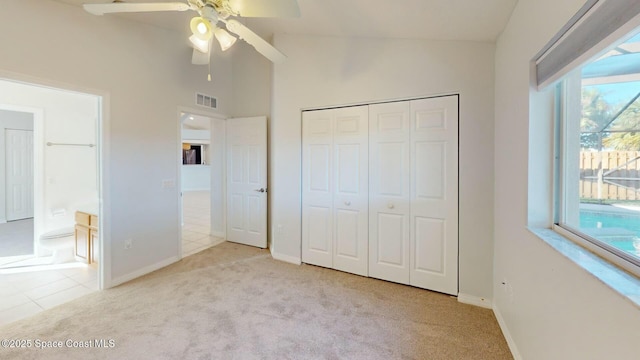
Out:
{"x": 390, "y": 206}
{"x": 348, "y": 203}
{"x": 262, "y": 190}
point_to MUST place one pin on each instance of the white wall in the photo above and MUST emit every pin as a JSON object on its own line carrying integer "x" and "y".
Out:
{"x": 147, "y": 74}
{"x": 69, "y": 174}
{"x": 556, "y": 310}
{"x": 196, "y": 178}
{"x": 251, "y": 82}
{"x": 324, "y": 71}
{"x": 196, "y": 136}
{"x": 16, "y": 120}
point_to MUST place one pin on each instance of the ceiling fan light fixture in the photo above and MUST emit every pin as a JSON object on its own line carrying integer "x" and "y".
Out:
{"x": 225, "y": 39}
{"x": 201, "y": 45}
{"x": 201, "y": 28}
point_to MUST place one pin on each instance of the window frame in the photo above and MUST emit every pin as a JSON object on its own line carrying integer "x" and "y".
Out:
{"x": 562, "y": 107}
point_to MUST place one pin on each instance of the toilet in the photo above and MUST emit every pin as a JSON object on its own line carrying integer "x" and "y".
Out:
{"x": 61, "y": 242}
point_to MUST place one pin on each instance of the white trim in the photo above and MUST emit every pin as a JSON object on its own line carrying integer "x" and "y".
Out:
{"x": 475, "y": 300}
{"x": 373, "y": 102}
{"x": 216, "y": 243}
{"x": 144, "y": 271}
{"x": 104, "y": 191}
{"x": 104, "y": 164}
{"x": 178, "y": 183}
{"x": 219, "y": 234}
{"x": 606, "y": 255}
{"x": 286, "y": 258}
{"x": 507, "y": 334}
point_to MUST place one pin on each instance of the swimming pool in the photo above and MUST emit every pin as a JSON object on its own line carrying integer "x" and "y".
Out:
{"x": 617, "y": 229}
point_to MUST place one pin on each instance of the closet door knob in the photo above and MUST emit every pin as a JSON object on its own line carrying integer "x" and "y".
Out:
{"x": 348, "y": 203}
{"x": 390, "y": 206}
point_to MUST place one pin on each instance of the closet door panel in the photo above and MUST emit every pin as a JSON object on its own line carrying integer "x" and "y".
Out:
{"x": 350, "y": 198}
{"x": 430, "y": 178}
{"x": 389, "y": 192}
{"x": 317, "y": 188}
{"x": 318, "y": 230}
{"x": 434, "y": 194}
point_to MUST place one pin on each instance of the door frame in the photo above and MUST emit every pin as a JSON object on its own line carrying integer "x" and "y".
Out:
{"x": 219, "y": 136}
{"x": 103, "y": 160}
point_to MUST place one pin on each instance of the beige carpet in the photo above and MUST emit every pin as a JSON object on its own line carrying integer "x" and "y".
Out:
{"x": 235, "y": 302}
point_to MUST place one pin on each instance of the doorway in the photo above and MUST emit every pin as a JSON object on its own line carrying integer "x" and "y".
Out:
{"x": 64, "y": 172}
{"x": 199, "y": 170}
{"x": 16, "y": 186}
{"x": 237, "y": 175}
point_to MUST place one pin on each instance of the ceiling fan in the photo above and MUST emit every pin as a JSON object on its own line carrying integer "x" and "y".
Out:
{"x": 210, "y": 13}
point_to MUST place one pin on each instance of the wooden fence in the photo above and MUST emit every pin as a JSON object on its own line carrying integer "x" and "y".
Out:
{"x": 610, "y": 175}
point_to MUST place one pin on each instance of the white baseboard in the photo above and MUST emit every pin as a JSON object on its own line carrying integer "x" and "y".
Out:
{"x": 475, "y": 300}
{"x": 219, "y": 234}
{"x": 3, "y": 221}
{"x": 219, "y": 241}
{"x": 285, "y": 258}
{"x": 144, "y": 271}
{"x": 507, "y": 334}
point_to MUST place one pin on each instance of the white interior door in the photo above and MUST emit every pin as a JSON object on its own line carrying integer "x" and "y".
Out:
{"x": 351, "y": 190}
{"x": 19, "y": 174}
{"x": 389, "y": 191}
{"x": 434, "y": 194}
{"x": 317, "y": 187}
{"x": 247, "y": 181}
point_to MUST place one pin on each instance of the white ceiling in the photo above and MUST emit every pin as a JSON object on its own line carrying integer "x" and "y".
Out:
{"x": 475, "y": 20}
{"x": 195, "y": 122}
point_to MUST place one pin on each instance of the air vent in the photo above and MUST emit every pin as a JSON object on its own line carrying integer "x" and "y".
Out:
{"x": 206, "y": 101}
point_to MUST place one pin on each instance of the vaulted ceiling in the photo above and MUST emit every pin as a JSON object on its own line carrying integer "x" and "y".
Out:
{"x": 473, "y": 20}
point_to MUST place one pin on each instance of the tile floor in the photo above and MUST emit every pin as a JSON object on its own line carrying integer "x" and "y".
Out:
{"x": 16, "y": 238}
{"x": 29, "y": 284}
{"x": 27, "y": 290}
{"x": 196, "y": 209}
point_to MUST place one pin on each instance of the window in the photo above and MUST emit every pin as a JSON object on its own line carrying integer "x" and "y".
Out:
{"x": 599, "y": 152}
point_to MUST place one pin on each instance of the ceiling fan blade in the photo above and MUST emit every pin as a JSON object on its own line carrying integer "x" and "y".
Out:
{"x": 120, "y": 7}
{"x": 256, "y": 41}
{"x": 261, "y": 8}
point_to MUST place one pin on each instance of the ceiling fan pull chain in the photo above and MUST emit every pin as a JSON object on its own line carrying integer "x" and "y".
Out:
{"x": 210, "y": 55}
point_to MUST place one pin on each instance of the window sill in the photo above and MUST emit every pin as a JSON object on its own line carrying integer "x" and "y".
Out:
{"x": 617, "y": 279}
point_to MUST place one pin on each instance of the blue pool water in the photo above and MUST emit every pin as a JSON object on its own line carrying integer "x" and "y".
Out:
{"x": 619, "y": 230}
